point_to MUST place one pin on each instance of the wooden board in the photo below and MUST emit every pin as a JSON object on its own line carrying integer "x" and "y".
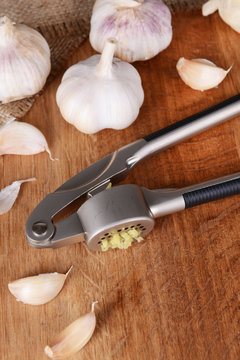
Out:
{"x": 174, "y": 296}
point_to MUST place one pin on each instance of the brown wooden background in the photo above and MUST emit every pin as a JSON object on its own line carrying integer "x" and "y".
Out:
{"x": 174, "y": 296}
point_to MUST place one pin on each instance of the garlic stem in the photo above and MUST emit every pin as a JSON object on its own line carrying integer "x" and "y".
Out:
{"x": 210, "y": 7}
{"x": 104, "y": 67}
{"x": 6, "y": 29}
{"x": 93, "y": 304}
{"x": 70, "y": 269}
{"x": 127, "y": 3}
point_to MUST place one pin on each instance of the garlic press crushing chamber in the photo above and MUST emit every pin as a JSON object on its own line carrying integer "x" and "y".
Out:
{"x": 125, "y": 207}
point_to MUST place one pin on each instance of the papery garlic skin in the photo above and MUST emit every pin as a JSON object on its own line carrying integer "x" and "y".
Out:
{"x": 24, "y": 61}
{"x": 21, "y": 138}
{"x": 39, "y": 289}
{"x": 200, "y": 74}
{"x": 73, "y": 338}
{"x": 229, "y": 11}
{"x": 100, "y": 92}
{"x": 142, "y": 28}
{"x": 9, "y": 194}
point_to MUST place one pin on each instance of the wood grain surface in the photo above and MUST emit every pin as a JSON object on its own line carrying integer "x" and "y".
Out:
{"x": 175, "y": 296}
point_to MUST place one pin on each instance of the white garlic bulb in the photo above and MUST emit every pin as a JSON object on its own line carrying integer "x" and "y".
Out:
{"x": 229, "y": 11}
{"x": 200, "y": 74}
{"x": 100, "y": 92}
{"x": 24, "y": 61}
{"x": 141, "y": 27}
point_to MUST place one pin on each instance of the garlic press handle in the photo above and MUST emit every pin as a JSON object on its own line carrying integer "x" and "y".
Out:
{"x": 163, "y": 202}
{"x": 186, "y": 128}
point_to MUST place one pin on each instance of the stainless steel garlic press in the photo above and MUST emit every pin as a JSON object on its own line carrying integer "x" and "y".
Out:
{"x": 127, "y": 206}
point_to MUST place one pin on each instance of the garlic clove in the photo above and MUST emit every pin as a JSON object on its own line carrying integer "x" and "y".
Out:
{"x": 73, "y": 338}
{"x": 100, "y": 92}
{"x": 200, "y": 74}
{"x": 229, "y": 11}
{"x": 39, "y": 289}
{"x": 9, "y": 194}
{"x": 24, "y": 61}
{"x": 210, "y": 7}
{"x": 142, "y": 28}
{"x": 21, "y": 138}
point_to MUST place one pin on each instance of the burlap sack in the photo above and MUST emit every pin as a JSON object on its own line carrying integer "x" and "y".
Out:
{"x": 65, "y": 25}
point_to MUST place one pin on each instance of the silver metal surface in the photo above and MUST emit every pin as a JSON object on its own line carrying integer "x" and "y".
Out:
{"x": 161, "y": 202}
{"x": 91, "y": 182}
{"x": 114, "y": 209}
{"x": 184, "y": 132}
{"x": 118, "y": 208}
{"x": 164, "y": 202}
{"x": 111, "y": 168}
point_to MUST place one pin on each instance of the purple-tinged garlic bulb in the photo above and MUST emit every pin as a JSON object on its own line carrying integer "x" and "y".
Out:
{"x": 24, "y": 61}
{"x": 142, "y": 28}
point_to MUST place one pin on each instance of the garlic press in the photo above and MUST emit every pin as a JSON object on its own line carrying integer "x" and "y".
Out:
{"x": 107, "y": 211}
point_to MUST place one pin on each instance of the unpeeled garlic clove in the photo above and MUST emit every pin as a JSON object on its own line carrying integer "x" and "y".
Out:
{"x": 21, "y": 138}
{"x": 200, "y": 74}
{"x": 9, "y": 194}
{"x": 24, "y": 61}
{"x": 142, "y": 27}
{"x": 229, "y": 11}
{"x": 39, "y": 289}
{"x": 73, "y": 338}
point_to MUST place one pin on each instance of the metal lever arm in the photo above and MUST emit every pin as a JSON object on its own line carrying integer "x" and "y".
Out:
{"x": 166, "y": 202}
{"x": 186, "y": 128}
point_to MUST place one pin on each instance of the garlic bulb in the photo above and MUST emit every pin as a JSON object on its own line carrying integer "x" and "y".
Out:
{"x": 9, "y": 194}
{"x": 200, "y": 74}
{"x": 100, "y": 92}
{"x": 73, "y": 338}
{"x": 24, "y": 61}
{"x": 39, "y": 289}
{"x": 141, "y": 27}
{"x": 20, "y": 138}
{"x": 229, "y": 10}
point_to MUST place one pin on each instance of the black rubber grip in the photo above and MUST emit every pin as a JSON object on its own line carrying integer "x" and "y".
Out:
{"x": 191, "y": 118}
{"x": 211, "y": 193}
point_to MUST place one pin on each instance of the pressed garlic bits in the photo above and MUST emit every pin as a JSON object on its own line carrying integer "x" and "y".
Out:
{"x": 9, "y": 194}
{"x": 200, "y": 74}
{"x": 21, "y": 138}
{"x": 229, "y": 10}
{"x": 39, "y": 289}
{"x": 121, "y": 240}
{"x": 24, "y": 61}
{"x": 100, "y": 92}
{"x": 141, "y": 27}
{"x": 73, "y": 338}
